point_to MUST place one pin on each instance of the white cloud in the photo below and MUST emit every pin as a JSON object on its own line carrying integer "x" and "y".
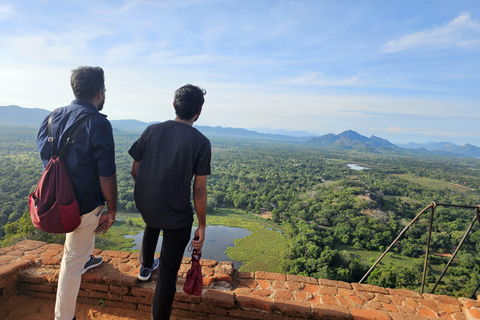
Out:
{"x": 463, "y": 31}
{"x": 6, "y": 11}
{"x": 422, "y": 131}
{"x": 317, "y": 79}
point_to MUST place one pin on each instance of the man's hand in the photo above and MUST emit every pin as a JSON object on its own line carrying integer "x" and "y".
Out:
{"x": 105, "y": 222}
{"x": 200, "y": 234}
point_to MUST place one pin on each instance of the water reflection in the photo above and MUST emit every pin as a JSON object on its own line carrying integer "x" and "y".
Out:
{"x": 218, "y": 238}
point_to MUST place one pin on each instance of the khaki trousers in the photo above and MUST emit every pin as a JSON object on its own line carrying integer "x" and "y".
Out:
{"x": 79, "y": 245}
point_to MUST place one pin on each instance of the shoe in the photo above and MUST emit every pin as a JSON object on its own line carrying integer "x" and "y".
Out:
{"x": 92, "y": 263}
{"x": 145, "y": 273}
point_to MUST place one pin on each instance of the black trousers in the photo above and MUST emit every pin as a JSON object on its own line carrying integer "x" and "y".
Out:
{"x": 173, "y": 246}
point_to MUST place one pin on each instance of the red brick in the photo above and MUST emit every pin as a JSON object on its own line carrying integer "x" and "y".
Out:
{"x": 264, "y": 284}
{"x": 12, "y": 268}
{"x": 135, "y": 300}
{"x": 248, "y": 302}
{"x": 356, "y": 299}
{"x": 382, "y": 298}
{"x": 295, "y": 278}
{"x": 118, "y": 290}
{"x": 295, "y": 286}
{"x": 390, "y": 307}
{"x": 51, "y": 261}
{"x": 293, "y": 308}
{"x": 94, "y": 286}
{"x": 406, "y": 310}
{"x": 331, "y": 312}
{"x": 314, "y": 299}
{"x": 247, "y": 283}
{"x": 37, "y": 287}
{"x": 207, "y": 281}
{"x": 472, "y": 304}
{"x": 142, "y": 292}
{"x": 283, "y": 295}
{"x": 52, "y": 246}
{"x": 279, "y": 285}
{"x": 219, "y": 298}
{"x": 374, "y": 305}
{"x": 426, "y": 312}
{"x": 475, "y": 313}
{"x": 449, "y": 308}
{"x": 367, "y": 296}
{"x": 397, "y": 300}
{"x": 182, "y": 296}
{"x": 458, "y": 316}
{"x": 310, "y": 288}
{"x": 344, "y": 292}
{"x": 361, "y": 314}
{"x": 115, "y": 254}
{"x": 369, "y": 288}
{"x": 327, "y": 290}
{"x": 207, "y": 271}
{"x": 208, "y": 263}
{"x": 302, "y": 296}
{"x": 412, "y": 303}
{"x": 262, "y": 292}
{"x": 243, "y": 290}
{"x": 10, "y": 281}
{"x": 329, "y": 300}
{"x": 404, "y": 293}
{"x": 247, "y": 314}
{"x": 245, "y": 275}
{"x": 430, "y": 304}
{"x": 145, "y": 308}
{"x": 269, "y": 276}
{"x": 206, "y": 308}
{"x": 30, "y": 244}
{"x": 346, "y": 302}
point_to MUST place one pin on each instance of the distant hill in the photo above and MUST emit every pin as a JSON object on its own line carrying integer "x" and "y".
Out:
{"x": 352, "y": 140}
{"x": 466, "y": 150}
{"x": 347, "y": 140}
{"x": 17, "y": 116}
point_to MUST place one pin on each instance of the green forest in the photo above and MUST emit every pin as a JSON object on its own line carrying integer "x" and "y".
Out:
{"x": 335, "y": 221}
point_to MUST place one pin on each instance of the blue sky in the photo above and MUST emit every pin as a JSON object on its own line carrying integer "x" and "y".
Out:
{"x": 400, "y": 70}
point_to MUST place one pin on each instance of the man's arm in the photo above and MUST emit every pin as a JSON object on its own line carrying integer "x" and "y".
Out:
{"x": 109, "y": 190}
{"x": 134, "y": 170}
{"x": 200, "y": 202}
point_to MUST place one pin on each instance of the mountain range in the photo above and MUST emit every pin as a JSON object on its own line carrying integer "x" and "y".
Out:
{"x": 347, "y": 140}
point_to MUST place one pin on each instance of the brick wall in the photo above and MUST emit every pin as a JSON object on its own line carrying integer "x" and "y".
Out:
{"x": 31, "y": 268}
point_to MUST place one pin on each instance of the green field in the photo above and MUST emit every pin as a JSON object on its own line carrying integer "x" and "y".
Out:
{"x": 432, "y": 183}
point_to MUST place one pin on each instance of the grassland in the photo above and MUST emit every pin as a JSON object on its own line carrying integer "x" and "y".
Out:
{"x": 432, "y": 183}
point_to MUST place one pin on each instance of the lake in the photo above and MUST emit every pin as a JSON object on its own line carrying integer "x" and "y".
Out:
{"x": 218, "y": 238}
{"x": 356, "y": 167}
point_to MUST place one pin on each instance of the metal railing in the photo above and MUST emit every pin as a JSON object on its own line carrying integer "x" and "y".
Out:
{"x": 432, "y": 206}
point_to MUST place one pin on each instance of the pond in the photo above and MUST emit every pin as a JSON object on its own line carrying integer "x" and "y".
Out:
{"x": 356, "y": 167}
{"x": 218, "y": 238}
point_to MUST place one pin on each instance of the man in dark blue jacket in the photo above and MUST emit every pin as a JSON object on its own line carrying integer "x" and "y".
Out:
{"x": 91, "y": 166}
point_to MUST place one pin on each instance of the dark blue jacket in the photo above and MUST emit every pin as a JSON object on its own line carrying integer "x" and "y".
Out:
{"x": 91, "y": 155}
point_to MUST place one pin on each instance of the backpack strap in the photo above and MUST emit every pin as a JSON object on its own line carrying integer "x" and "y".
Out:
{"x": 71, "y": 138}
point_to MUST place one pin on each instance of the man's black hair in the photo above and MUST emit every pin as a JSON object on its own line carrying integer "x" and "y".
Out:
{"x": 86, "y": 82}
{"x": 188, "y": 101}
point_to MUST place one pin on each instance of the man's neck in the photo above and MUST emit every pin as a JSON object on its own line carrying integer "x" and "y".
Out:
{"x": 189, "y": 122}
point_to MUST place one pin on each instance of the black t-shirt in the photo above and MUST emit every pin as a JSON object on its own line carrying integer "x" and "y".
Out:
{"x": 170, "y": 154}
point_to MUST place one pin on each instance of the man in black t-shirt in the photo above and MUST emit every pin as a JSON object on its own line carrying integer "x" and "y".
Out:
{"x": 165, "y": 159}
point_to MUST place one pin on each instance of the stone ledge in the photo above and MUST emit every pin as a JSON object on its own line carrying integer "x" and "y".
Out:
{"x": 31, "y": 268}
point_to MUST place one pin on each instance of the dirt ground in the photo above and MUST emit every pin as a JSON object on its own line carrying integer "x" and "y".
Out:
{"x": 23, "y": 307}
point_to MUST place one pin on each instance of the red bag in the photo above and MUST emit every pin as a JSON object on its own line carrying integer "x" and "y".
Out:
{"x": 53, "y": 207}
{"x": 194, "y": 282}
